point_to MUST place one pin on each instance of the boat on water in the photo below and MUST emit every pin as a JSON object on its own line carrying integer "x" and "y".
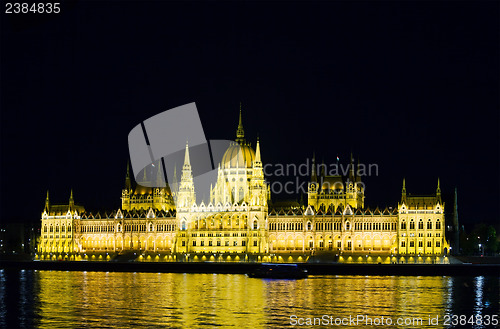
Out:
{"x": 278, "y": 271}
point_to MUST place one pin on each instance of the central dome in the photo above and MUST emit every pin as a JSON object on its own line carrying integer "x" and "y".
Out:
{"x": 238, "y": 156}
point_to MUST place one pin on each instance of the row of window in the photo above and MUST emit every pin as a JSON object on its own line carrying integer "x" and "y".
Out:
{"x": 51, "y": 228}
{"x": 320, "y": 226}
{"x": 210, "y": 235}
{"x": 218, "y": 243}
{"x": 421, "y": 225}
{"x": 97, "y": 228}
{"x": 420, "y": 244}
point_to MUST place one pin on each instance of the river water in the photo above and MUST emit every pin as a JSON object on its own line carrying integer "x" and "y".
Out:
{"x": 59, "y": 299}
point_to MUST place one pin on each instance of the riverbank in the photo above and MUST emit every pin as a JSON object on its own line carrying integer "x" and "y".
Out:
{"x": 242, "y": 268}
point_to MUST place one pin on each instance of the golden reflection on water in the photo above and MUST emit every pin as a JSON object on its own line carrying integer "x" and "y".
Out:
{"x": 123, "y": 300}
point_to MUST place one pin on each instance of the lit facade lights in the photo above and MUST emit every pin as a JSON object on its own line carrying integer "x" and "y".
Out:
{"x": 239, "y": 224}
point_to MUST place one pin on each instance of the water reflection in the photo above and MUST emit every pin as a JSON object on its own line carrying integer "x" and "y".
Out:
{"x": 51, "y": 299}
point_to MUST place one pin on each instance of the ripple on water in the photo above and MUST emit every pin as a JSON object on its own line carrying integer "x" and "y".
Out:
{"x": 120, "y": 300}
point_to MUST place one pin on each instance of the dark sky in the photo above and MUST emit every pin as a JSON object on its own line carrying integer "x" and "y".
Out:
{"x": 411, "y": 87}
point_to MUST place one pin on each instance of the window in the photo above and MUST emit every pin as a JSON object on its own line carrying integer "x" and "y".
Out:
{"x": 412, "y": 225}
{"x": 347, "y": 226}
{"x": 183, "y": 225}
{"x": 429, "y": 225}
{"x": 255, "y": 225}
{"x": 309, "y": 226}
{"x": 227, "y": 243}
{"x": 202, "y": 243}
{"x": 420, "y": 244}
{"x": 183, "y": 243}
{"x": 243, "y": 243}
{"x": 218, "y": 243}
{"x": 403, "y": 244}
{"x": 210, "y": 243}
{"x": 255, "y": 243}
{"x": 429, "y": 244}
{"x": 438, "y": 225}
{"x": 412, "y": 244}
{"x": 349, "y": 244}
{"x": 241, "y": 194}
{"x": 45, "y": 228}
{"x": 438, "y": 244}
{"x": 150, "y": 227}
{"x": 339, "y": 244}
{"x": 194, "y": 243}
{"x": 403, "y": 226}
{"x": 51, "y": 229}
{"x": 235, "y": 243}
{"x": 420, "y": 225}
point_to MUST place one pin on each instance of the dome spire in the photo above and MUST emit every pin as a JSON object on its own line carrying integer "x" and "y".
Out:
{"x": 240, "y": 133}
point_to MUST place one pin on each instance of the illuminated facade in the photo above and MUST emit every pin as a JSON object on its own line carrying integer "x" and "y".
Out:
{"x": 238, "y": 224}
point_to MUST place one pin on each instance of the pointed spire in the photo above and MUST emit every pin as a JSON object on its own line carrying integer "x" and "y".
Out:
{"x": 403, "y": 191}
{"x": 257, "y": 152}
{"x": 186, "y": 155}
{"x": 128, "y": 184}
{"x": 314, "y": 177}
{"x": 71, "y": 200}
{"x": 351, "y": 175}
{"x": 438, "y": 192}
{"x": 47, "y": 202}
{"x": 160, "y": 182}
{"x": 240, "y": 132}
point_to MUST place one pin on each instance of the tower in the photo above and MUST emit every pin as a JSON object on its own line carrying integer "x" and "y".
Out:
{"x": 312, "y": 195}
{"x": 186, "y": 195}
{"x": 258, "y": 189}
{"x": 127, "y": 190}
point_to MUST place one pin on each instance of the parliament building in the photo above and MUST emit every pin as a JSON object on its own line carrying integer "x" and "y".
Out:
{"x": 240, "y": 223}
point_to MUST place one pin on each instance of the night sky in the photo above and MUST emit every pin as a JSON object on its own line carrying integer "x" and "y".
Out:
{"x": 411, "y": 87}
